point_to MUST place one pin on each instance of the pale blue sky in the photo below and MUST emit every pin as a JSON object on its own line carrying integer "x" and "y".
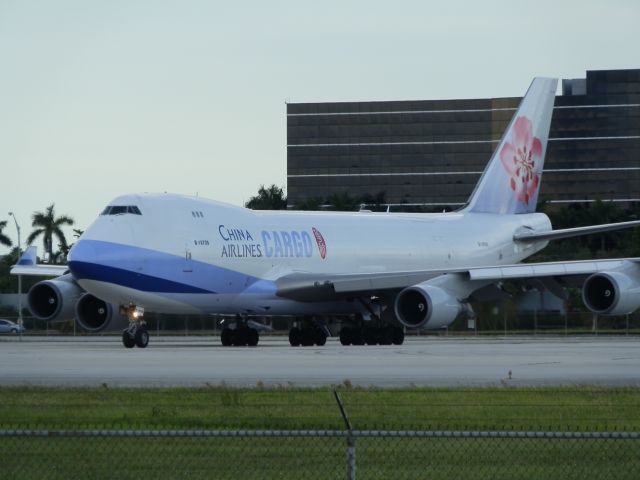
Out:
{"x": 101, "y": 98}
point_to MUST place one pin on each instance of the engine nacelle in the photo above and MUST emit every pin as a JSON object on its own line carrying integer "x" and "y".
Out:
{"x": 427, "y": 306}
{"x": 95, "y": 315}
{"x": 55, "y": 299}
{"x": 611, "y": 293}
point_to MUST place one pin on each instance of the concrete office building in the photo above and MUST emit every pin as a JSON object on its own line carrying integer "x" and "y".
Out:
{"x": 432, "y": 152}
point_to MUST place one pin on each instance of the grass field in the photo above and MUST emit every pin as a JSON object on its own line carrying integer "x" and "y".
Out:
{"x": 573, "y": 408}
{"x": 220, "y": 408}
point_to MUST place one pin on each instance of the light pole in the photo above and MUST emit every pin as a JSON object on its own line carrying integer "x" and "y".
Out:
{"x": 19, "y": 276}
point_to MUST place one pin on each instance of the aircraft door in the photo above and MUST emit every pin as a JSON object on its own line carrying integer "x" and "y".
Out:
{"x": 188, "y": 262}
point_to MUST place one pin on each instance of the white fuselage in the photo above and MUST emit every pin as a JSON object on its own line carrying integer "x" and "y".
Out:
{"x": 186, "y": 254}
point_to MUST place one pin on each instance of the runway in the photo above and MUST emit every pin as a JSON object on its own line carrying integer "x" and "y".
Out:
{"x": 421, "y": 361}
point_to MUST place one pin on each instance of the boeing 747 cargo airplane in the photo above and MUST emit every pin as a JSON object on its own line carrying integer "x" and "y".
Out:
{"x": 377, "y": 272}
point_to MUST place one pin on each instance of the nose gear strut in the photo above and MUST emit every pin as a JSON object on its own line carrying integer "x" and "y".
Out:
{"x": 136, "y": 333}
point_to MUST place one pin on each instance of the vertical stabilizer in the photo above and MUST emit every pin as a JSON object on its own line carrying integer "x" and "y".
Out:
{"x": 29, "y": 257}
{"x": 511, "y": 181}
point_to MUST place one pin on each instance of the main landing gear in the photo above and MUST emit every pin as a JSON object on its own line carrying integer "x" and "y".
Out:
{"x": 307, "y": 333}
{"x": 239, "y": 334}
{"x": 136, "y": 334}
{"x": 239, "y": 337}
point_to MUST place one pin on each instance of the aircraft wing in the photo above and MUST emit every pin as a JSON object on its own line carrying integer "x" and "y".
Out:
{"x": 313, "y": 287}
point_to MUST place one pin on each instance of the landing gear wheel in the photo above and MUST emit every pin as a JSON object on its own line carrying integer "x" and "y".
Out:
{"x": 240, "y": 337}
{"x": 252, "y": 337}
{"x": 346, "y": 336}
{"x": 307, "y": 337}
{"x": 127, "y": 340}
{"x": 226, "y": 337}
{"x": 398, "y": 336}
{"x": 357, "y": 337}
{"x": 370, "y": 336}
{"x": 320, "y": 338}
{"x": 295, "y": 337}
{"x": 141, "y": 337}
{"x": 386, "y": 335}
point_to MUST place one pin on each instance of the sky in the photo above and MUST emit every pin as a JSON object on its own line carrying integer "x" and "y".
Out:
{"x": 99, "y": 99}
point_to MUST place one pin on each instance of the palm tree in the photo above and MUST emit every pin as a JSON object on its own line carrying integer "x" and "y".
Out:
{"x": 4, "y": 240}
{"x": 48, "y": 225}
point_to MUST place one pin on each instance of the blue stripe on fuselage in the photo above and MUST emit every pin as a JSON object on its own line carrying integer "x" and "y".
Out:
{"x": 127, "y": 278}
{"x": 155, "y": 271}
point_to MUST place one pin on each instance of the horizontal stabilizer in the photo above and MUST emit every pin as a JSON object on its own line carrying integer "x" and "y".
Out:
{"x": 28, "y": 265}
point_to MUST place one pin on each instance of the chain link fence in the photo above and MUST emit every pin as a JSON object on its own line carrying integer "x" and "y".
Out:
{"x": 319, "y": 454}
{"x": 502, "y": 324}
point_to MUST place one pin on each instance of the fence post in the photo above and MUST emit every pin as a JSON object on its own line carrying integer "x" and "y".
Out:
{"x": 351, "y": 440}
{"x": 505, "y": 324}
{"x": 627, "y": 326}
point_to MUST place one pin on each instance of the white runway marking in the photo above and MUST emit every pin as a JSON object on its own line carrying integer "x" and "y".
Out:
{"x": 421, "y": 361}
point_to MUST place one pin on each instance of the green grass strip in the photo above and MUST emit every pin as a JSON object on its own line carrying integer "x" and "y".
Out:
{"x": 219, "y": 407}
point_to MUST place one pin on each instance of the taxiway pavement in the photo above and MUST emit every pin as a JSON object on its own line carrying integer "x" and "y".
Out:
{"x": 421, "y": 361}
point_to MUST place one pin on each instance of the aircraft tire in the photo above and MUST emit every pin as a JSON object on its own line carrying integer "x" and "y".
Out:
{"x": 239, "y": 338}
{"x": 357, "y": 337}
{"x": 345, "y": 336}
{"x": 142, "y": 338}
{"x": 386, "y": 335}
{"x": 252, "y": 337}
{"x": 295, "y": 335}
{"x": 398, "y": 336}
{"x": 226, "y": 337}
{"x": 127, "y": 341}
{"x": 370, "y": 336}
{"x": 320, "y": 338}
{"x": 308, "y": 337}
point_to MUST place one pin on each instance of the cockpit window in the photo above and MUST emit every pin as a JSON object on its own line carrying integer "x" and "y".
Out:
{"x": 121, "y": 209}
{"x": 118, "y": 210}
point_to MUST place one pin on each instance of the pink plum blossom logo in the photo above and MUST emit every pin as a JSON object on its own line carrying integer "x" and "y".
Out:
{"x": 520, "y": 158}
{"x": 322, "y": 245}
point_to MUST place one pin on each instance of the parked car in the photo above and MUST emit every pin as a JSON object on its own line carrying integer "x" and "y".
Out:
{"x": 7, "y": 326}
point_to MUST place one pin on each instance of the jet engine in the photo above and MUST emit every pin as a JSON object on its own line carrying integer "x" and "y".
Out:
{"x": 426, "y": 306}
{"x": 611, "y": 293}
{"x": 55, "y": 299}
{"x": 95, "y": 315}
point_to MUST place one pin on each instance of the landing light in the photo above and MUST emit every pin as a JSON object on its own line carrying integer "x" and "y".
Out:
{"x": 132, "y": 311}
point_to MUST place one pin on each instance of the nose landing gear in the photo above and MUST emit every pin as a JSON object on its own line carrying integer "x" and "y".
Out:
{"x": 136, "y": 333}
